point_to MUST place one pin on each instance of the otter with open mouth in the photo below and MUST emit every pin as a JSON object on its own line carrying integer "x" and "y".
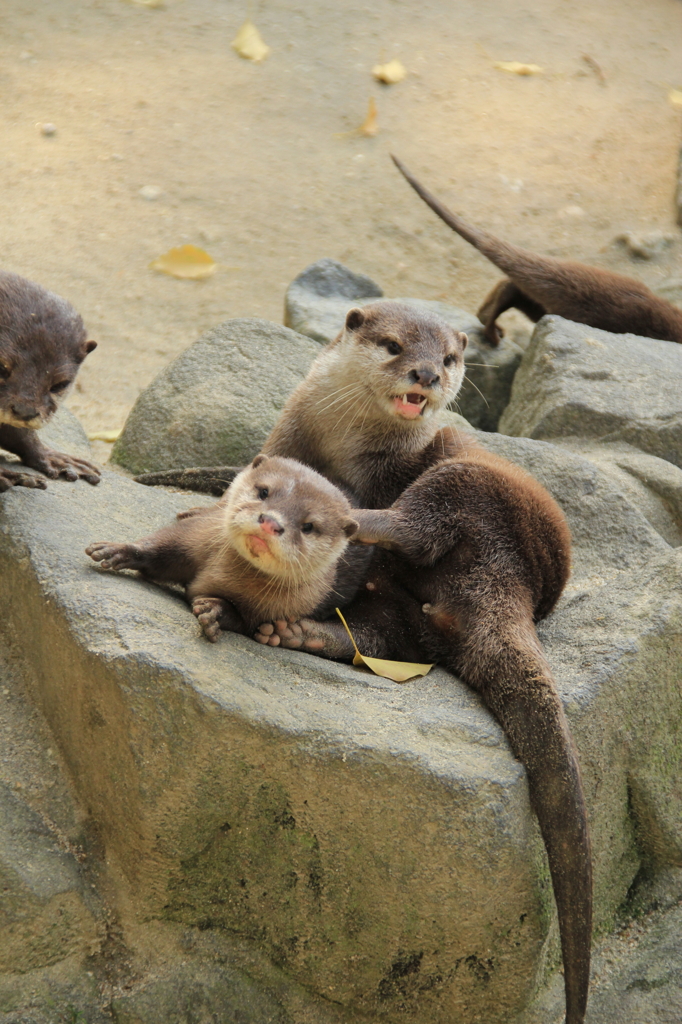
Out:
{"x": 272, "y": 548}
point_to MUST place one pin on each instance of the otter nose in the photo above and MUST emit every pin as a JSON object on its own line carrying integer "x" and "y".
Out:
{"x": 427, "y": 378}
{"x": 24, "y": 412}
{"x": 270, "y": 524}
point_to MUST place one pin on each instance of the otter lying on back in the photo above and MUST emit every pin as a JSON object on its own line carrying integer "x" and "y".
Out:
{"x": 543, "y": 284}
{"x": 42, "y": 344}
{"x": 269, "y": 549}
{"x": 482, "y": 551}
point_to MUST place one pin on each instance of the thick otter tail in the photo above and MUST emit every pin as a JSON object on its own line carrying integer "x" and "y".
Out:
{"x": 501, "y": 658}
{"x": 204, "y": 480}
{"x": 510, "y": 258}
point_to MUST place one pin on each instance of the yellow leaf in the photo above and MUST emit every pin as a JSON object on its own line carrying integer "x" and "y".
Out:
{"x": 105, "y": 435}
{"x": 249, "y": 44}
{"x": 389, "y": 73}
{"x": 675, "y": 97}
{"x": 187, "y": 261}
{"x": 516, "y": 68}
{"x": 370, "y": 125}
{"x": 398, "y": 671}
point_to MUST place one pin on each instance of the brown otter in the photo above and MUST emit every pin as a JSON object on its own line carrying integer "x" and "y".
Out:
{"x": 543, "y": 284}
{"x": 484, "y": 546}
{"x": 269, "y": 549}
{"x": 42, "y": 344}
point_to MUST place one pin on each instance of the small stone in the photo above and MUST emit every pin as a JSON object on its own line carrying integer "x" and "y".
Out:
{"x": 150, "y": 192}
{"x": 645, "y": 247}
{"x": 571, "y": 212}
{"x": 48, "y": 128}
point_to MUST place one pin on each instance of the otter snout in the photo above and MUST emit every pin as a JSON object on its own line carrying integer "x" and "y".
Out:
{"x": 270, "y": 525}
{"x": 424, "y": 376}
{"x": 23, "y": 411}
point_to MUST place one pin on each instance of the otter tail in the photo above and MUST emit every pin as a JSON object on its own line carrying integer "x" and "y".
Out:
{"x": 210, "y": 480}
{"x": 501, "y": 658}
{"x": 509, "y": 258}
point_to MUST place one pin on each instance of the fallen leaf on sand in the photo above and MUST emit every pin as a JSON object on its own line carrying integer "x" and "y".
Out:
{"x": 187, "y": 261}
{"x": 248, "y": 43}
{"x": 675, "y": 97}
{"x": 105, "y": 435}
{"x": 389, "y": 73}
{"x": 516, "y": 68}
{"x": 398, "y": 671}
{"x": 370, "y": 126}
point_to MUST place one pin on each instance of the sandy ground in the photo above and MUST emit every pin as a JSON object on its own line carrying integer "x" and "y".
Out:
{"x": 262, "y": 165}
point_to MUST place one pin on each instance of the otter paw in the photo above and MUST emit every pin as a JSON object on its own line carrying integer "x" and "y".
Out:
{"x": 294, "y": 634}
{"x": 11, "y": 478}
{"x": 115, "y": 556}
{"x": 55, "y": 464}
{"x": 209, "y": 611}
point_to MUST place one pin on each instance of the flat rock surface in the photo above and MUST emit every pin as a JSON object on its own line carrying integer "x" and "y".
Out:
{"x": 575, "y": 380}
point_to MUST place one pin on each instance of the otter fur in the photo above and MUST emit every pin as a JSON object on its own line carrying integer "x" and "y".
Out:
{"x": 481, "y": 552}
{"x": 42, "y": 345}
{"x": 268, "y": 550}
{"x": 543, "y": 284}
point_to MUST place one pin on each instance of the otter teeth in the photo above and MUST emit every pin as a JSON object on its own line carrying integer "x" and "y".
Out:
{"x": 406, "y": 400}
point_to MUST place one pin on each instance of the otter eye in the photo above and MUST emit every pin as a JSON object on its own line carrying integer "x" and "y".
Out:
{"x": 5, "y": 372}
{"x": 394, "y": 348}
{"x": 307, "y": 528}
{"x": 61, "y": 386}
{"x": 263, "y": 493}
{"x": 449, "y": 360}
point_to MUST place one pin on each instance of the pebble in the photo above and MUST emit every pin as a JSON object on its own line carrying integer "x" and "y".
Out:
{"x": 48, "y": 128}
{"x": 150, "y": 192}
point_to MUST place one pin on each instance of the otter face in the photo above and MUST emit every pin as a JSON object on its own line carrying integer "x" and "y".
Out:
{"x": 42, "y": 344}
{"x": 286, "y": 519}
{"x": 410, "y": 360}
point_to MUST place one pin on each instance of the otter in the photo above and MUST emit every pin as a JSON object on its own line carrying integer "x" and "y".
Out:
{"x": 270, "y": 549}
{"x": 479, "y": 543}
{"x": 42, "y": 345}
{"x": 543, "y": 284}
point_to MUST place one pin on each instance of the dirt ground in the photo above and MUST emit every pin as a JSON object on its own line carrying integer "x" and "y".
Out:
{"x": 262, "y": 165}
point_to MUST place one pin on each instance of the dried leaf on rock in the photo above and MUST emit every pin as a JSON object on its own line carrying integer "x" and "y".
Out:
{"x": 187, "y": 261}
{"x": 390, "y": 73}
{"x": 515, "y": 67}
{"x": 105, "y": 435}
{"x": 248, "y": 43}
{"x": 370, "y": 125}
{"x": 675, "y": 97}
{"x": 398, "y": 671}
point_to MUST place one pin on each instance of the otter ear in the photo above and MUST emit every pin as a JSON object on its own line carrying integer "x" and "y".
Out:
{"x": 354, "y": 318}
{"x": 258, "y": 461}
{"x": 351, "y": 527}
{"x": 463, "y": 339}
{"x": 85, "y": 348}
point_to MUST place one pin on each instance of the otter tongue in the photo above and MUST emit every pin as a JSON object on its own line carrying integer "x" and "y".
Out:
{"x": 409, "y": 405}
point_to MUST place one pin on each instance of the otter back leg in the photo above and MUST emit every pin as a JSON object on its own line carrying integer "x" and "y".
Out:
{"x": 505, "y": 295}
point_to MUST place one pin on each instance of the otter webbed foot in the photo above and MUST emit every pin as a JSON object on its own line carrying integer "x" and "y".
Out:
{"x": 117, "y": 556}
{"x": 328, "y": 639}
{"x": 13, "y": 478}
{"x": 55, "y": 464}
{"x": 216, "y": 614}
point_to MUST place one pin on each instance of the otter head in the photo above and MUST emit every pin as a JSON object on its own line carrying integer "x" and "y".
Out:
{"x": 287, "y": 520}
{"x": 42, "y": 344}
{"x": 411, "y": 360}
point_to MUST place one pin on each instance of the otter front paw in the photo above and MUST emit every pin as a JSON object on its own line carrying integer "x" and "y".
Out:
{"x": 12, "y": 478}
{"x": 55, "y": 464}
{"x": 116, "y": 556}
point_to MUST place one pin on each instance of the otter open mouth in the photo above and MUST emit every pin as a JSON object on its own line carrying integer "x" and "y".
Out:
{"x": 256, "y": 545}
{"x": 409, "y": 405}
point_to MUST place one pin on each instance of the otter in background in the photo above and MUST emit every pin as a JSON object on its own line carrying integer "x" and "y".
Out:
{"x": 543, "y": 284}
{"x": 42, "y": 345}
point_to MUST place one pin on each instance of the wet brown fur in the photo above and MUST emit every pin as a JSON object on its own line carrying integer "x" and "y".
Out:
{"x": 478, "y": 542}
{"x": 228, "y": 585}
{"x": 42, "y": 344}
{"x": 543, "y": 284}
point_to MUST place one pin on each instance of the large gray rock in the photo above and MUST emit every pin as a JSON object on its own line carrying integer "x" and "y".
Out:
{"x": 576, "y": 380}
{"x": 318, "y": 299}
{"x": 217, "y": 402}
{"x": 374, "y": 840}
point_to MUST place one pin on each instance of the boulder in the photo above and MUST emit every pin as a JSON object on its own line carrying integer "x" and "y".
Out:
{"x": 575, "y": 380}
{"x": 374, "y": 841}
{"x": 318, "y": 299}
{"x": 216, "y": 402}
